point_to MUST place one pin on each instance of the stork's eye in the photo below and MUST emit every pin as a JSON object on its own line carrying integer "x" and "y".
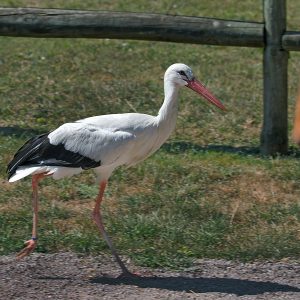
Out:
{"x": 182, "y": 73}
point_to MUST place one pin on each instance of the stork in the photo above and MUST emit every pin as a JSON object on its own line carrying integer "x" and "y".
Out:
{"x": 296, "y": 127}
{"x": 102, "y": 143}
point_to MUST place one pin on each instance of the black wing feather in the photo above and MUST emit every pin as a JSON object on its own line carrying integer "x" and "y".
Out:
{"x": 39, "y": 151}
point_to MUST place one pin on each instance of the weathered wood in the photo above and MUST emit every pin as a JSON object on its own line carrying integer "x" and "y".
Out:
{"x": 291, "y": 41}
{"x": 274, "y": 137}
{"x": 31, "y": 22}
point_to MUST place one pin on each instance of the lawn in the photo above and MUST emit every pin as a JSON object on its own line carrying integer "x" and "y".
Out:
{"x": 206, "y": 193}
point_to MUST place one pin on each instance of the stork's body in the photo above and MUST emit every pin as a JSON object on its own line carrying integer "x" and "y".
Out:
{"x": 102, "y": 143}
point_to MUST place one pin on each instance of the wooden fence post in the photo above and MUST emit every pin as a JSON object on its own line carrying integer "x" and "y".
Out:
{"x": 274, "y": 137}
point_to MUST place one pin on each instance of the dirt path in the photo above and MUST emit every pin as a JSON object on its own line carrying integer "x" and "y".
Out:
{"x": 70, "y": 276}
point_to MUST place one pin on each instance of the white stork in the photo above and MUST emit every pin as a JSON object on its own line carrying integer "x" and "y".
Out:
{"x": 102, "y": 143}
{"x": 296, "y": 128}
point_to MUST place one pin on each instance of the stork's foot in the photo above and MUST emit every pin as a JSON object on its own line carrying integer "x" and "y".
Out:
{"x": 30, "y": 246}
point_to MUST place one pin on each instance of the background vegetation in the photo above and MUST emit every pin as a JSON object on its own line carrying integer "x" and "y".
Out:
{"x": 206, "y": 193}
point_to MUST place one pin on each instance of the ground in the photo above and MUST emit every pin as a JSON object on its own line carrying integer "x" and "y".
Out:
{"x": 72, "y": 276}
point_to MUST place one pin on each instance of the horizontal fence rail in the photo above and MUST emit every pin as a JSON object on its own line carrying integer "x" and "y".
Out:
{"x": 291, "y": 41}
{"x": 56, "y": 23}
{"x": 32, "y": 22}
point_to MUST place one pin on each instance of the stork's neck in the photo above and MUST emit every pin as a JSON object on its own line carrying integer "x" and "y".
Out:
{"x": 169, "y": 108}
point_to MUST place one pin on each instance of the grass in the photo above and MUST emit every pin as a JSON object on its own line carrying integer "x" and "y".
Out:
{"x": 206, "y": 193}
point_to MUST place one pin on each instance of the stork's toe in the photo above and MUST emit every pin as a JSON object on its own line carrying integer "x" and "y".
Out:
{"x": 30, "y": 246}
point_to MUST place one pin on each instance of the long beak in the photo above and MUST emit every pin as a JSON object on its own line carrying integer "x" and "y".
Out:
{"x": 199, "y": 88}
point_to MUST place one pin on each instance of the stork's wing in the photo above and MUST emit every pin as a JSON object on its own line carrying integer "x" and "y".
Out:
{"x": 73, "y": 145}
{"x": 98, "y": 144}
{"x": 39, "y": 151}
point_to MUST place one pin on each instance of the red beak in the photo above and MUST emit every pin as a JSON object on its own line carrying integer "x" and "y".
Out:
{"x": 199, "y": 88}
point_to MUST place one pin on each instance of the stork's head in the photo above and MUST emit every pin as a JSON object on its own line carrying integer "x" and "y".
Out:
{"x": 182, "y": 75}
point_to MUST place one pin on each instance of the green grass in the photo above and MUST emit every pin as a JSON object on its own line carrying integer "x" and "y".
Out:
{"x": 206, "y": 193}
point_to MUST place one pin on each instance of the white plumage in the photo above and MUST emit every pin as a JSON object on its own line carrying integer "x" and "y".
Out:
{"x": 103, "y": 143}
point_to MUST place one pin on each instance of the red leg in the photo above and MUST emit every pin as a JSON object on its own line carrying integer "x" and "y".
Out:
{"x": 31, "y": 244}
{"x": 97, "y": 217}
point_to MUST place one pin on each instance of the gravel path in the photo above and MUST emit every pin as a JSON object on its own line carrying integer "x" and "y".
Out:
{"x": 71, "y": 276}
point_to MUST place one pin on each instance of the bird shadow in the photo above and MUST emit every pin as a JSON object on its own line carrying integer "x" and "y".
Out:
{"x": 178, "y": 147}
{"x": 18, "y": 131}
{"x": 240, "y": 287}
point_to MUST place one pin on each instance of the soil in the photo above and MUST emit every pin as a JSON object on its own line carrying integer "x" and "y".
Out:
{"x": 72, "y": 276}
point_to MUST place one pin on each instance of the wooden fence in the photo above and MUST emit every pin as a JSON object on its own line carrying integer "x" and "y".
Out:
{"x": 271, "y": 35}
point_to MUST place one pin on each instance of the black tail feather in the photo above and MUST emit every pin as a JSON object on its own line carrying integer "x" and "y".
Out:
{"x": 39, "y": 151}
{"x": 30, "y": 148}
